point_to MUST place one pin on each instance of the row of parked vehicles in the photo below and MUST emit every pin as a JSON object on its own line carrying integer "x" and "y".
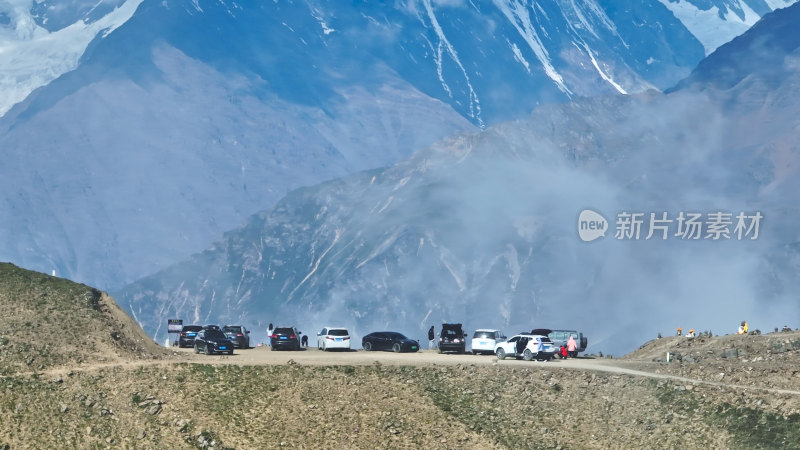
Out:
{"x": 211, "y": 339}
{"x": 540, "y": 343}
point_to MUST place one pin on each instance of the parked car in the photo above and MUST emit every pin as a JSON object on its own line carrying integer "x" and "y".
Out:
{"x": 389, "y": 340}
{"x": 525, "y": 346}
{"x": 211, "y": 340}
{"x": 187, "y": 335}
{"x": 285, "y": 338}
{"x": 560, "y": 337}
{"x": 486, "y": 339}
{"x": 238, "y": 334}
{"x": 452, "y": 338}
{"x": 333, "y": 337}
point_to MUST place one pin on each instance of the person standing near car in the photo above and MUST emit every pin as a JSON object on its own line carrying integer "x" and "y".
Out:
{"x": 270, "y": 330}
{"x": 572, "y": 347}
{"x": 431, "y": 338}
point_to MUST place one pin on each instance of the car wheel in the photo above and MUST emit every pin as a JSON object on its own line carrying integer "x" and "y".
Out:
{"x": 474, "y": 353}
{"x": 196, "y": 348}
{"x": 272, "y": 347}
{"x": 396, "y": 348}
{"x": 527, "y": 355}
{"x": 324, "y": 348}
{"x": 230, "y": 352}
{"x": 368, "y": 346}
{"x": 208, "y": 350}
{"x": 501, "y": 354}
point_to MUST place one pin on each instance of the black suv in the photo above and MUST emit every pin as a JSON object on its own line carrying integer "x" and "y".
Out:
{"x": 285, "y": 337}
{"x": 212, "y": 340}
{"x": 186, "y": 337}
{"x": 452, "y": 338}
{"x": 238, "y": 334}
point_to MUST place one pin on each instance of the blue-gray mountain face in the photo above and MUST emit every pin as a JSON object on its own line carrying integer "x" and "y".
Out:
{"x": 191, "y": 115}
{"x": 483, "y": 228}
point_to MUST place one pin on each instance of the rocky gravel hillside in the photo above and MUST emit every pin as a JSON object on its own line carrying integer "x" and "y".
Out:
{"x": 49, "y": 322}
{"x": 369, "y": 407}
{"x": 768, "y": 360}
{"x": 89, "y": 378}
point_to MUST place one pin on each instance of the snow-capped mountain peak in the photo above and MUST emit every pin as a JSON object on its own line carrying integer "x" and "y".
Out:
{"x": 716, "y": 22}
{"x": 34, "y": 52}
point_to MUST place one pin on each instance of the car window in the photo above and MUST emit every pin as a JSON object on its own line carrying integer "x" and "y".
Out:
{"x": 514, "y": 339}
{"x": 484, "y": 335}
{"x": 323, "y": 332}
{"x": 284, "y": 331}
{"x": 192, "y": 328}
{"x": 395, "y": 336}
{"x": 232, "y": 329}
{"x": 339, "y": 332}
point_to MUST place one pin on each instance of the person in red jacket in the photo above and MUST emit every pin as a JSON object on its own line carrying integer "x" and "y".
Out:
{"x": 563, "y": 352}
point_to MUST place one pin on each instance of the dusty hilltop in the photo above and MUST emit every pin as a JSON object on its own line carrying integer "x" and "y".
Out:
{"x": 77, "y": 372}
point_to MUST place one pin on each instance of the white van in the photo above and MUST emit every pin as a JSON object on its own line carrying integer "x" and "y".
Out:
{"x": 485, "y": 339}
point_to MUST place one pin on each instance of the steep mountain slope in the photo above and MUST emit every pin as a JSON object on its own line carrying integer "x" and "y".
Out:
{"x": 187, "y": 116}
{"x": 715, "y": 22}
{"x": 192, "y": 115}
{"x": 482, "y": 229}
{"x": 771, "y": 55}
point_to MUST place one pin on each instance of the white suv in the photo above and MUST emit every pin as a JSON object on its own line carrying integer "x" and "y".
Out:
{"x": 525, "y": 346}
{"x": 333, "y": 337}
{"x": 485, "y": 340}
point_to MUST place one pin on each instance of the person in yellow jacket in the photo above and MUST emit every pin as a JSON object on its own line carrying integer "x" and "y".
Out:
{"x": 742, "y": 328}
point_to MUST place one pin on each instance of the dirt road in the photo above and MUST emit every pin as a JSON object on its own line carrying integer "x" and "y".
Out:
{"x": 312, "y": 356}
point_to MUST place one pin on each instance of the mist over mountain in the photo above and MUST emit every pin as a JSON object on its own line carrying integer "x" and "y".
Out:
{"x": 150, "y": 133}
{"x": 483, "y": 228}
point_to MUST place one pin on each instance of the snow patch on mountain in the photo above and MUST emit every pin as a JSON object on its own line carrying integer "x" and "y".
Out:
{"x": 444, "y": 44}
{"x": 714, "y": 26}
{"x": 518, "y": 15}
{"x": 31, "y": 56}
{"x": 603, "y": 75}
{"x": 776, "y": 4}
